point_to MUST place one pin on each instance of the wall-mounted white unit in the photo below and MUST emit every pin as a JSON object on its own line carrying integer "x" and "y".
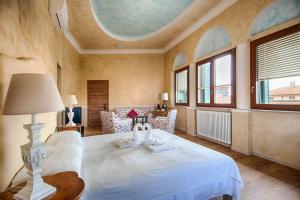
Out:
{"x": 59, "y": 13}
{"x": 214, "y": 125}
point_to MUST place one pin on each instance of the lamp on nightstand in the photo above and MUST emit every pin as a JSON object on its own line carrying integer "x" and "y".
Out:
{"x": 164, "y": 97}
{"x": 70, "y": 101}
{"x": 33, "y": 94}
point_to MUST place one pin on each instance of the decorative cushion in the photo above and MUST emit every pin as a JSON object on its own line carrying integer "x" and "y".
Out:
{"x": 132, "y": 113}
{"x": 121, "y": 112}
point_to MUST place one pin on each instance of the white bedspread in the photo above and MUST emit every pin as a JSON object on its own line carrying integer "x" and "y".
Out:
{"x": 192, "y": 172}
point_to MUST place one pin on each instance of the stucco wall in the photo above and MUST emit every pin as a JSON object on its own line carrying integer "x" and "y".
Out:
{"x": 134, "y": 79}
{"x": 29, "y": 43}
{"x": 256, "y": 132}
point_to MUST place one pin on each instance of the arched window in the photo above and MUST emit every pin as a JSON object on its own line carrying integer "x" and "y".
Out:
{"x": 215, "y": 76}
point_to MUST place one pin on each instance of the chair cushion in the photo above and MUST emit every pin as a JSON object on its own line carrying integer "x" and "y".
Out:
{"x": 132, "y": 113}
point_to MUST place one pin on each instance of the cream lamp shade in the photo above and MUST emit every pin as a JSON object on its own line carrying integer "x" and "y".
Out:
{"x": 164, "y": 96}
{"x": 32, "y": 94}
{"x": 71, "y": 100}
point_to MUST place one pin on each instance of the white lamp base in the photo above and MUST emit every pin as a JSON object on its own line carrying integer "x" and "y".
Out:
{"x": 31, "y": 192}
{"x": 70, "y": 116}
{"x": 33, "y": 153}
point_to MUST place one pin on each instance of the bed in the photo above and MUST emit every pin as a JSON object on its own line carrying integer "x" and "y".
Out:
{"x": 191, "y": 172}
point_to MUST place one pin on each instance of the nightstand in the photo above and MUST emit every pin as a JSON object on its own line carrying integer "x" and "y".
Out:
{"x": 68, "y": 186}
{"x": 161, "y": 113}
{"x": 78, "y": 127}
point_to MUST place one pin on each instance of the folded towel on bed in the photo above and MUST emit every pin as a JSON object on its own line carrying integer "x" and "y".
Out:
{"x": 125, "y": 143}
{"x": 159, "y": 148}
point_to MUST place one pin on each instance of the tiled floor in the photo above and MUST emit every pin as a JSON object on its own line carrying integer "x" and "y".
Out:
{"x": 263, "y": 179}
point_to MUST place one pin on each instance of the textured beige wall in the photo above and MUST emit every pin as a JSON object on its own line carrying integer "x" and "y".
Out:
{"x": 266, "y": 134}
{"x": 241, "y": 133}
{"x": 29, "y": 43}
{"x": 181, "y": 118}
{"x": 276, "y": 135}
{"x": 134, "y": 79}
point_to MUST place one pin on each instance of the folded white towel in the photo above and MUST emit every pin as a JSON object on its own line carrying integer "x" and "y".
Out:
{"x": 159, "y": 148}
{"x": 125, "y": 143}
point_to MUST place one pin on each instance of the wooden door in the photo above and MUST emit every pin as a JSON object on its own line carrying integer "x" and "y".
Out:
{"x": 97, "y": 96}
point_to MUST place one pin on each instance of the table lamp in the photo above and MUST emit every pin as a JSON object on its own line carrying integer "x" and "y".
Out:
{"x": 33, "y": 94}
{"x": 164, "y": 97}
{"x": 70, "y": 101}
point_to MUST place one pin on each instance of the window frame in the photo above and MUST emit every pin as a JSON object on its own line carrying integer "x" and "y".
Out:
{"x": 253, "y": 68}
{"x": 212, "y": 80}
{"x": 188, "y": 85}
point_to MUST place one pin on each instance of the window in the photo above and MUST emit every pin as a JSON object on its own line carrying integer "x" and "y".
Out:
{"x": 216, "y": 80}
{"x": 275, "y": 70}
{"x": 182, "y": 86}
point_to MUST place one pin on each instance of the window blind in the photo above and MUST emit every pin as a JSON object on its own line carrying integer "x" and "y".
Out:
{"x": 279, "y": 58}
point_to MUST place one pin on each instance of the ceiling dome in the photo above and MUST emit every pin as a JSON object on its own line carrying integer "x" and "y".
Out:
{"x": 131, "y": 20}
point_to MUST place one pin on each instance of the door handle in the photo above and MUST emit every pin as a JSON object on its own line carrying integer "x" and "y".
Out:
{"x": 105, "y": 106}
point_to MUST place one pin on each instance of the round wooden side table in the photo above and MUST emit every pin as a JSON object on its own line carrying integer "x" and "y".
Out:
{"x": 68, "y": 187}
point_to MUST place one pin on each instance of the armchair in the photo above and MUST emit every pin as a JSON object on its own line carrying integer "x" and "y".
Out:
{"x": 113, "y": 124}
{"x": 164, "y": 123}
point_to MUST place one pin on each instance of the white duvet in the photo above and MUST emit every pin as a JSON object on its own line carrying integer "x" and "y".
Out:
{"x": 192, "y": 172}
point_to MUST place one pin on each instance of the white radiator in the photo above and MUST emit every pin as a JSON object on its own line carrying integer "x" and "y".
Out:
{"x": 214, "y": 125}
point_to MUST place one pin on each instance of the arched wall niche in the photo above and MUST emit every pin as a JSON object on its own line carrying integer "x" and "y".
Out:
{"x": 212, "y": 40}
{"x": 179, "y": 60}
{"x": 278, "y": 12}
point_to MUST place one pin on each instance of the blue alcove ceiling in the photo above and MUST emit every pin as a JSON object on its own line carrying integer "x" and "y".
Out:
{"x": 276, "y": 13}
{"x": 179, "y": 60}
{"x": 131, "y": 19}
{"x": 213, "y": 39}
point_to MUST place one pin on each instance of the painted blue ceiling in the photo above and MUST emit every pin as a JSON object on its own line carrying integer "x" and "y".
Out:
{"x": 278, "y": 12}
{"x": 132, "y": 19}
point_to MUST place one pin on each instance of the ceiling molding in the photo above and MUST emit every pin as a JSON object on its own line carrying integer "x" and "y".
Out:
{"x": 73, "y": 41}
{"x": 203, "y": 20}
{"x": 122, "y": 51}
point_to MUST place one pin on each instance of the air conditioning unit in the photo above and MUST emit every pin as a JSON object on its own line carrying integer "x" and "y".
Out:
{"x": 59, "y": 13}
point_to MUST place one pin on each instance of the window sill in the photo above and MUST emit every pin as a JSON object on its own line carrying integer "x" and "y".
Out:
{"x": 182, "y": 105}
{"x": 214, "y": 109}
{"x": 275, "y": 111}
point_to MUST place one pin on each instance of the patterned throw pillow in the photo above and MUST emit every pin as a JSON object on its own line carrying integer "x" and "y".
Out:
{"x": 132, "y": 113}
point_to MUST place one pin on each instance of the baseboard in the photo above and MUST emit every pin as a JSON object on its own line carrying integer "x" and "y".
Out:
{"x": 258, "y": 155}
{"x": 212, "y": 140}
{"x": 240, "y": 150}
{"x": 192, "y": 134}
{"x": 179, "y": 129}
{"x": 275, "y": 160}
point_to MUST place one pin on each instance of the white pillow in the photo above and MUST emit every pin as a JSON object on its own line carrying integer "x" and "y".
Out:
{"x": 64, "y": 153}
{"x": 65, "y": 138}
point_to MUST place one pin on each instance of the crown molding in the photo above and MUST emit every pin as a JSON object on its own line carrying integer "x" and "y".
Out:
{"x": 73, "y": 41}
{"x": 122, "y": 51}
{"x": 203, "y": 20}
